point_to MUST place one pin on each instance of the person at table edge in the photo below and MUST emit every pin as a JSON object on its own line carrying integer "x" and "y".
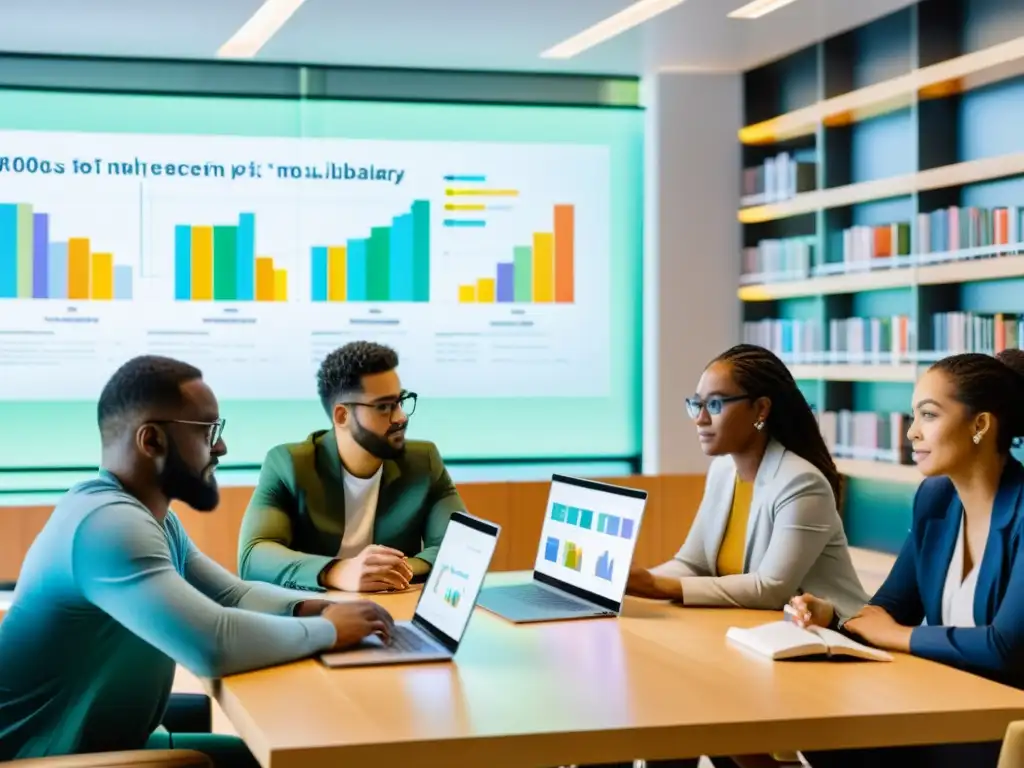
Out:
{"x": 355, "y": 507}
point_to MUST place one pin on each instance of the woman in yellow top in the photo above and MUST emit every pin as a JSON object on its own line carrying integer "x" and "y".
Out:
{"x": 768, "y": 527}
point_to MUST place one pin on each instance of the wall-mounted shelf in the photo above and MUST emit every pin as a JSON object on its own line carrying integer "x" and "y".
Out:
{"x": 967, "y": 271}
{"x": 879, "y": 470}
{"x": 957, "y": 174}
{"x": 860, "y": 372}
{"x": 958, "y": 75}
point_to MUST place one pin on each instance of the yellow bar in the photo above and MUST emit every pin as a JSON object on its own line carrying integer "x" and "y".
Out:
{"x": 280, "y": 285}
{"x": 483, "y": 192}
{"x": 78, "y": 268}
{"x": 543, "y": 267}
{"x": 102, "y": 277}
{"x": 337, "y": 272}
{"x": 202, "y": 263}
{"x": 264, "y": 278}
{"x": 465, "y": 207}
{"x": 486, "y": 288}
{"x": 467, "y": 294}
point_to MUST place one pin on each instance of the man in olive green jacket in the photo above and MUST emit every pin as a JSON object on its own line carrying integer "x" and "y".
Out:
{"x": 355, "y": 507}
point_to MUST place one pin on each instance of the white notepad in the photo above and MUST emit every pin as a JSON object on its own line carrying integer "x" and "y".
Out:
{"x": 785, "y": 640}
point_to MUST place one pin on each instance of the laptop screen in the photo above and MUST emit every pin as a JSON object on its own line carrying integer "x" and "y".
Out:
{"x": 589, "y": 536}
{"x": 453, "y": 586}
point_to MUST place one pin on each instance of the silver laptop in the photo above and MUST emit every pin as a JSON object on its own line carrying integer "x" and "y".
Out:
{"x": 445, "y": 605}
{"x": 586, "y": 547}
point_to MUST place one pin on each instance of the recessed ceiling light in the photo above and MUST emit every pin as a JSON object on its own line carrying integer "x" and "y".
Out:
{"x": 759, "y": 8}
{"x": 627, "y": 18}
{"x": 263, "y": 25}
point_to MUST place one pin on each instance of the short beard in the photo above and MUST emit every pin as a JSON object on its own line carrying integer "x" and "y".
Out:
{"x": 179, "y": 481}
{"x": 375, "y": 445}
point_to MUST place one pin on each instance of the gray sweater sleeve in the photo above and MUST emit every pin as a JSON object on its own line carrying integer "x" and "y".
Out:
{"x": 123, "y": 565}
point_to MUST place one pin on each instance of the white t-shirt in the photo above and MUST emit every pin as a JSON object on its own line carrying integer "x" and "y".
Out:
{"x": 360, "y": 512}
{"x": 958, "y": 592}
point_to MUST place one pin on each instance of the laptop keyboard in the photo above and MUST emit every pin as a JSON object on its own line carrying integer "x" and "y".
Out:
{"x": 533, "y": 595}
{"x": 407, "y": 640}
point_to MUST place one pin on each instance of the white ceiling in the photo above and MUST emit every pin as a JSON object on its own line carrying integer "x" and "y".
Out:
{"x": 445, "y": 34}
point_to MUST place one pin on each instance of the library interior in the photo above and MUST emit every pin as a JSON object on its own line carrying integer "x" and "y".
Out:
{"x": 705, "y": 328}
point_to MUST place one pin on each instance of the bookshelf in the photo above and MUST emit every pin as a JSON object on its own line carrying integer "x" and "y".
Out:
{"x": 882, "y": 208}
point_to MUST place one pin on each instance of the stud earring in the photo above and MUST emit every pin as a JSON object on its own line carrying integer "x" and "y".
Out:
{"x": 977, "y": 438}
{"x": 759, "y": 425}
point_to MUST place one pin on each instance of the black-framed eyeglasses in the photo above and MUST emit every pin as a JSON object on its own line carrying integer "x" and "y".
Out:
{"x": 216, "y": 428}
{"x": 406, "y": 401}
{"x": 713, "y": 404}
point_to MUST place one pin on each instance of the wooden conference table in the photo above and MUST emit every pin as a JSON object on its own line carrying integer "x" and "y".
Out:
{"x": 662, "y": 681}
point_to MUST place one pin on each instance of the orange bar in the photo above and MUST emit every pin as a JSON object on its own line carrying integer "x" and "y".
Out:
{"x": 337, "y": 272}
{"x": 543, "y": 267}
{"x": 264, "y": 278}
{"x": 467, "y": 294}
{"x": 486, "y": 288}
{"x": 78, "y": 268}
{"x": 280, "y": 285}
{"x": 565, "y": 241}
{"x": 102, "y": 277}
{"x": 202, "y": 263}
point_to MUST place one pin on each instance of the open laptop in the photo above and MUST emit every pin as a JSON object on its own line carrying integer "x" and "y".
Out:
{"x": 586, "y": 547}
{"x": 445, "y": 604}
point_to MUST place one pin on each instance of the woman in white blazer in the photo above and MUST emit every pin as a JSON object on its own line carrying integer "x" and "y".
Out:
{"x": 768, "y": 527}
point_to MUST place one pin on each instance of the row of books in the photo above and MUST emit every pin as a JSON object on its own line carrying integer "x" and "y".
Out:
{"x": 777, "y": 178}
{"x": 849, "y": 340}
{"x": 949, "y": 234}
{"x": 972, "y": 332}
{"x": 867, "y": 435}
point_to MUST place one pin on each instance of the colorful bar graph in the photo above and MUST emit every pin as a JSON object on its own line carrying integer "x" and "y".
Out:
{"x": 219, "y": 263}
{"x": 33, "y": 266}
{"x": 542, "y": 272}
{"x": 392, "y": 264}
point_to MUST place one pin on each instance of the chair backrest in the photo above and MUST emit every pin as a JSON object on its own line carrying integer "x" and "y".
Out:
{"x": 143, "y": 758}
{"x": 1012, "y": 753}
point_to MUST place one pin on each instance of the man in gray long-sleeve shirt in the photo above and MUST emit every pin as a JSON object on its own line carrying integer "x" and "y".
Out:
{"x": 113, "y": 593}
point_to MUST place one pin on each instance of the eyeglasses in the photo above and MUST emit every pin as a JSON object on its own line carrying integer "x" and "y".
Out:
{"x": 713, "y": 404}
{"x": 406, "y": 401}
{"x": 216, "y": 428}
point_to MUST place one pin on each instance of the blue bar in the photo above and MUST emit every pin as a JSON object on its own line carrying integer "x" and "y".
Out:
{"x": 182, "y": 262}
{"x": 245, "y": 249}
{"x": 122, "y": 282}
{"x": 401, "y": 270}
{"x": 8, "y": 251}
{"x": 465, "y": 223}
{"x": 319, "y": 279}
{"x": 465, "y": 178}
{"x": 57, "y": 271}
{"x": 357, "y": 272}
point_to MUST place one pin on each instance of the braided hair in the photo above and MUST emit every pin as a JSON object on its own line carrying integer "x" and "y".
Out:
{"x": 791, "y": 421}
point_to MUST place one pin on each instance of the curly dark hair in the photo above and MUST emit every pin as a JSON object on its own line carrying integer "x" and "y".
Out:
{"x": 993, "y": 385}
{"x": 145, "y": 383}
{"x": 791, "y": 421}
{"x": 342, "y": 371}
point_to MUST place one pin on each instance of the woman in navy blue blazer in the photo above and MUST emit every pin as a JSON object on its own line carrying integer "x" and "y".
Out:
{"x": 956, "y": 592}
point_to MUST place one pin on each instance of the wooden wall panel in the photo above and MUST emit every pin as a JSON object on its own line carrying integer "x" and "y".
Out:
{"x": 518, "y": 508}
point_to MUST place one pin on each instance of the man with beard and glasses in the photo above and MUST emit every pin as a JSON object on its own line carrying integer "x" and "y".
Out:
{"x": 113, "y": 593}
{"x": 355, "y": 507}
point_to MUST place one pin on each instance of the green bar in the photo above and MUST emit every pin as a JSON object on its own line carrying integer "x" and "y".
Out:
{"x": 225, "y": 263}
{"x": 586, "y": 518}
{"x": 421, "y": 250}
{"x": 25, "y": 245}
{"x": 523, "y": 260}
{"x": 378, "y": 263}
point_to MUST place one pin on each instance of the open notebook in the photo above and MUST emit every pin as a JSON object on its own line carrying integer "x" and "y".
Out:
{"x": 785, "y": 640}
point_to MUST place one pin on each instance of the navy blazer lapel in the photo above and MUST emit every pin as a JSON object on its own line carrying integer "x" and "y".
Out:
{"x": 938, "y": 545}
{"x": 993, "y": 569}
